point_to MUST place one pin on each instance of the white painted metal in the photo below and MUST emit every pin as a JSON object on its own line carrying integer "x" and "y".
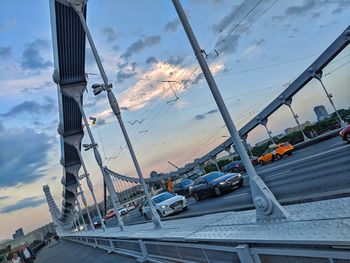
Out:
{"x": 267, "y": 206}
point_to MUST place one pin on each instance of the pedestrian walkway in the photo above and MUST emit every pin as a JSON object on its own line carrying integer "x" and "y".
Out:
{"x": 66, "y": 251}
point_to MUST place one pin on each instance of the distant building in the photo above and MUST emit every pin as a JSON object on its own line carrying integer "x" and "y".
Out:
{"x": 18, "y": 233}
{"x": 321, "y": 112}
{"x": 296, "y": 128}
{"x": 38, "y": 234}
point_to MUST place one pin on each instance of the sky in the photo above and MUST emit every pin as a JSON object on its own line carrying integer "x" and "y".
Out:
{"x": 261, "y": 45}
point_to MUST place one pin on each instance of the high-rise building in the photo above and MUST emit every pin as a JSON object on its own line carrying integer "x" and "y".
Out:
{"x": 321, "y": 112}
{"x": 18, "y": 233}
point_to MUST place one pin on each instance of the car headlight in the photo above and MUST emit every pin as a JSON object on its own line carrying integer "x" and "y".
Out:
{"x": 222, "y": 183}
{"x": 163, "y": 206}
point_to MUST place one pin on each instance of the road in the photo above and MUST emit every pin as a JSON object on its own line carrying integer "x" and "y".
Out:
{"x": 67, "y": 251}
{"x": 319, "y": 171}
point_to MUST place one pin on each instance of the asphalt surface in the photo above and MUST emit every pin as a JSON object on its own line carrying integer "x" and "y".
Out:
{"x": 66, "y": 251}
{"x": 320, "y": 171}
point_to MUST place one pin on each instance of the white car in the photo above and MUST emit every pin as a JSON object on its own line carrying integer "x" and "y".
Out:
{"x": 122, "y": 211}
{"x": 166, "y": 204}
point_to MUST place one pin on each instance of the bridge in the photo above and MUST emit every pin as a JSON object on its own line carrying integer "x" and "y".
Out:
{"x": 300, "y": 215}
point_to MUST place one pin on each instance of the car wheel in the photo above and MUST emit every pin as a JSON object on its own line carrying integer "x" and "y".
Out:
{"x": 348, "y": 137}
{"x": 278, "y": 157}
{"x": 261, "y": 162}
{"x": 290, "y": 153}
{"x": 195, "y": 195}
{"x": 217, "y": 191}
{"x": 185, "y": 208}
{"x": 146, "y": 216}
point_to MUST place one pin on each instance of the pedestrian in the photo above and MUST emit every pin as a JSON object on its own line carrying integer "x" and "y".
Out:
{"x": 27, "y": 255}
{"x": 170, "y": 186}
{"x": 16, "y": 258}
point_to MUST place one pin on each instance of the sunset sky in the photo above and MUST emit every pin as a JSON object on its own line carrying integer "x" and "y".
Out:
{"x": 142, "y": 44}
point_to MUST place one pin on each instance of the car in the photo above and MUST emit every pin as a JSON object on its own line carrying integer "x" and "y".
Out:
{"x": 254, "y": 160}
{"x": 97, "y": 222}
{"x": 345, "y": 134}
{"x": 122, "y": 211}
{"x": 276, "y": 152}
{"x": 130, "y": 208}
{"x": 215, "y": 183}
{"x": 183, "y": 188}
{"x": 233, "y": 167}
{"x": 166, "y": 204}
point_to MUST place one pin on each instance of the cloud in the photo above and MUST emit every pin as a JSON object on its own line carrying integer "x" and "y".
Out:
{"x": 22, "y": 156}
{"x": 127, "y": 71}
{"x": 341, "y": 5}
{"x": 172, "y": 25}
{"x": 151, "y": 60}
{"x": 175, "y": 60}
{"x": 199, "y": 117}
{"x": 227, "y": 45}
{"x": 32, "y": 58}
{"x": 5, "y": 52}
{"x": 109, "y": 33}
{"x": 7, "y": 25}
{"x": 44, "y": 85}
{"x": 212, "y": 111}
{"x": 149, "y": 88}
{"x": 139, "y": 45}
{"x": 32, "y": 107}
{"x": 23, "y": 203}
{"x": 226, "y": 21}
{"x": 252, "y": 49}
{"x": 101, "y": 122}
{"x": 299, "y": 10}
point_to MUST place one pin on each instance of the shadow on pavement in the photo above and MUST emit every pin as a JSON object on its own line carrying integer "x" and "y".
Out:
{"x": 66, "y": 251}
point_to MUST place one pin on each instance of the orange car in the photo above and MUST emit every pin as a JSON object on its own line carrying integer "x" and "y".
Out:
{"x": 276, "y": 152}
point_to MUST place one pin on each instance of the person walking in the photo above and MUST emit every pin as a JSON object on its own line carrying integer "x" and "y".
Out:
{"x": 16, "y": 258}
{"x": 170, "y": 186}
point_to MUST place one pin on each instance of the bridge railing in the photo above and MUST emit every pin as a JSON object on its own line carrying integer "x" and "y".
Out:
{"x": 165, "y": 251}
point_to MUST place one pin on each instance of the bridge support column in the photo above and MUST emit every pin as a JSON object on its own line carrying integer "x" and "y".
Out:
{"x": 318, "y": 76}
{"x": 288, "y": 103}
{"x": 264, "y": 123}
{"x": 213, "y": 161}
{"x": 98, "y": 88}
{"x": 244, "y": 138}
{"x": 267, "y": 207}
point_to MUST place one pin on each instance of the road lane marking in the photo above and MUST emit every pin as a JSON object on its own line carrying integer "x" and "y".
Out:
{"x": 303, "y": 159}
{"x": 231, "y": 196}
{"x": 273, "y": 175}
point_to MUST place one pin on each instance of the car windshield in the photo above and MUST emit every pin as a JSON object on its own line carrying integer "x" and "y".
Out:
{"x": 231, "y": 165}
{"x": 213, "y": 176}
{"x": 162, "y": 197}
{"x": 284, "y": 144}
{"x": 186, "y": 182}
